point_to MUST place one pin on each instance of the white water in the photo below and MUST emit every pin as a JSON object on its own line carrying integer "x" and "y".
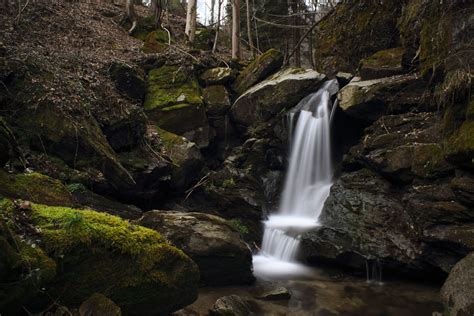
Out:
{"x": 306, "y": 188}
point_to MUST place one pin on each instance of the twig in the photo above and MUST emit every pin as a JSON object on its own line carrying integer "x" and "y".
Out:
{"x": 198, "y": 184}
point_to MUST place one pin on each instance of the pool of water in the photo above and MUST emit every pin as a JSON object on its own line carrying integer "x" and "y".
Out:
{"x": 325, "y": 292}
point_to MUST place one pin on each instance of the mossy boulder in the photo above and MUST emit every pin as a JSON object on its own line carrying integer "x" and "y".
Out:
{"x": 384, "y": 63}
{"x": 369, "y": 100}
{"x": 217, "y": 76}
{"x": 280, "y": 91}
{"x": 259, "y": 69}
{"x": 77, "y": 140}
{"x": 128, "y": 80}
{"x": 156, "y": 42}
{"x": 216, "y": 99}
{"x": 34, "y": 187}
{"x": 132, "y": 265}
{"x": 185, "y": 156}
{"x": 174, "y": 103}
{"x": 223, "y": 258}
{"x": 458, "y": 290}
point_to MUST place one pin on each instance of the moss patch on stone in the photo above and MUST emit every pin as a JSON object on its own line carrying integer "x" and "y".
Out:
{"x": 459, "y": 147}
{"x": 156, "y": 42}
{"x": 34, "y": 187}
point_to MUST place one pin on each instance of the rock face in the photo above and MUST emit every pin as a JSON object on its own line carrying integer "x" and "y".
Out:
{"x": 281, "y": 91}
{"x": 174, "y": 103}
{"x": 128, "y": 80}
{"x": 263, "y": 66}
{"x": 98, "y": 252}
{"x": 231, "y": 305}
{"x": 223, "y": 258}
{"x": 217, "y": 76}
{"x": 369, "y": 100}
{"x": 458, "y": 290}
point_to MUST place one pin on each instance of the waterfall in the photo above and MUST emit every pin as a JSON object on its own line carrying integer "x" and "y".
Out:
{"x": 308, "y": 179}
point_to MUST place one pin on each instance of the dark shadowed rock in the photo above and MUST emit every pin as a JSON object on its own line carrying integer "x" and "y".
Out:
{"x": 458, "y": 290}
{"x": 384, "y": 63}
{"x": 223, "y": 258}
{"x": 128, "y": 80}
{"x": 231, "y": 305}
{"x": 99, "y": 305}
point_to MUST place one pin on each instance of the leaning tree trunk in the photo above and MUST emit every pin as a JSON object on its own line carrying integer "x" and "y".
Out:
{"x": 236, "y": 29}
{"x": 249, "y": 29}
{"x": 131, "y": 15}
{"x": 190, "y": 30}
{"x": 218, "y": 26}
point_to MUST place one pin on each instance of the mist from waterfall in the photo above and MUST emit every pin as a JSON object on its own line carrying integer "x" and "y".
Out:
{"x": 307, "y": 183}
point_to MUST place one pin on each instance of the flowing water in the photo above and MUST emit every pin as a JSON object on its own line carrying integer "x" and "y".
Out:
{"x": 307, "y": 184}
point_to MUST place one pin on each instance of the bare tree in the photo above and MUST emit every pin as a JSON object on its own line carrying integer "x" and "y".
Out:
{"x": 190, "y": 30}
{"x": 249, "y": 29}
{"x": 157, "y": 11}
{"x": 236, "y": 29}
{"x": 131, "y": 15}
{"x": 218, "y": 25}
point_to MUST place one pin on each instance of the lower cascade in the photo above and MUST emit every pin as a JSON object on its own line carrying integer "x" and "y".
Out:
{"x": 307, "y": 184}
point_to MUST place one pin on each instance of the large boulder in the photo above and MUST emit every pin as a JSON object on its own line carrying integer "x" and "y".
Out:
{"x": 223, "y": 258}
{"x": 458, "y": 290}
{"x": 384, "y": 63}
{"x": 134, "y": 266}
{"x": 259, "y": 69}
{"x": 232, "y": 305}
{"x": 217, "y": 100}
{"x": 128, "y": 80}
{"x": 99, "y": 305}
{"x": 282, "y": 90}
{"x": 369, "y": 100}
{"x": 174, "y": 103}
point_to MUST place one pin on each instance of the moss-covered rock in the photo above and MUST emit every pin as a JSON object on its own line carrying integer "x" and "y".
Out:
{"x": 373, "y": 27}
{"x": 78, "y": 140}
{"x": 174, "y": 103}
{"x": 156, "y": 42}
{"x": 34, "y": 187}
{"x": 204, "y": 38}
{"x": 384, "y": 63}
{"x": 216, "y": 99}
{"x": 280, "y": 91}
{"x": 97, "y": 252}
{"x": 259, "y": 69}
{"x": 217, "y": 76}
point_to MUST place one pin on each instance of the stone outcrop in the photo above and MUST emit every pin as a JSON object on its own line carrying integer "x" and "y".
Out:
{"x": 281, "y": 91}
{"x": 222, "y": 257}
{"x": 231, "y": 305}
{"x": 384, "y": 63}
{"x": 458, "y": 290}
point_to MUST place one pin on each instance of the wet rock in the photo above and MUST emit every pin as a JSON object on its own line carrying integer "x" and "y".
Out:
{"x": 460, "y": 145}
{"x": 458, "y": 290}
{"x": 217, "y": 76}
{"x": 99, "y": 305}
{"x": 223, "y": 258}
{"x": 128, "y": 80}
{"x": 174, "y": 103}
{"x": 369, "y": 100}
{"x": 231, "y": 305}
{"x": 463, "y": 187}
{"x": 259, "y": 69}
{"x": 276, "y": 294}
{"x": 384, "y": 63}
{"x": 343, "y": 78}
{"x": 282, "y": 90}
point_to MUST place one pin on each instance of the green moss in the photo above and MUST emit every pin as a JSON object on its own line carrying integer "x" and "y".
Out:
{"x": 76, "y": 187}
{"x": 228, "y": 183}
{"x": 239, "y": 226}
{"x": 156, "y": 42}
{"x": 168, "y": 86}
{"x": 428, "y": 161}
{"x": 388, "y": 58}
{"x": 34, "y": 187}
{"x": 459, "y": 147}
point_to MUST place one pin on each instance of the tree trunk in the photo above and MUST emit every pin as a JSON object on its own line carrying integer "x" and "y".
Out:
{"x": 131, "y": 15}
{"x": 214, "y": 48}
{"x": 190, "y": 30}
{"x": 157, "y": 12}
{"x": 296, "y": 34}
{"x": 213, "y": 6}
{"x": 236, "y": 29}
{"x": 249, "y": 29}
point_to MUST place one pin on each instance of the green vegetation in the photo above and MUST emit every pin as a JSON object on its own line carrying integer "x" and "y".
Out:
{"x": 239, "y": 226}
